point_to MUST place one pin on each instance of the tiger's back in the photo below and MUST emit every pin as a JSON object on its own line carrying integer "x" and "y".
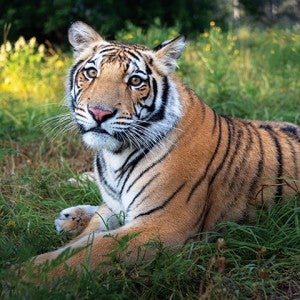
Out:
{"x": 164, "y": 159}
{"x": 238, "y": 165}
{"x": 225, "y": 168}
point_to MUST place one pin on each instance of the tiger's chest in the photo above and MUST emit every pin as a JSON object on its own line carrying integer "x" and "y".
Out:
{"x": 122, "y": 180}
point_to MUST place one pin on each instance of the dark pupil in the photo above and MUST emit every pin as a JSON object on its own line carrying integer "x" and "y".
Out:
{"x": 92, "y": 73}
{"x": 135, "y": 80}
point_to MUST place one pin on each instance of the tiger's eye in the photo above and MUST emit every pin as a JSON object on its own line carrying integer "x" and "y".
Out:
{"x": 91, "y": 73}
{"x": 135, "y": 80}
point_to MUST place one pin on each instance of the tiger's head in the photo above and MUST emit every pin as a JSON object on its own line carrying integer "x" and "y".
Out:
{"x": 122, "y": 95}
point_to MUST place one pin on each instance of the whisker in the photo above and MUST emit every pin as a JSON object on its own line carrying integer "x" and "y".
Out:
{"x": 58, "y": 125}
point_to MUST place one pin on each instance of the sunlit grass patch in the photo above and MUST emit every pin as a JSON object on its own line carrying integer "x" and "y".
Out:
{"x": 32, "y": 86}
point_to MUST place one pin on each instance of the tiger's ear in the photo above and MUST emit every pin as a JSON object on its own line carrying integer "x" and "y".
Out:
{"x": 169, "y": 51}
{"x": 81, "y": 36}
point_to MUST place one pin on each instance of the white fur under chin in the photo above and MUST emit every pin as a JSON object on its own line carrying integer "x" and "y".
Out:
{"x": 97, "y": 141}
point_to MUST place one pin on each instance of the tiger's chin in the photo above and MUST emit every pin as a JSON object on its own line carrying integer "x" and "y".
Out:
{"x": 99, "y": 141}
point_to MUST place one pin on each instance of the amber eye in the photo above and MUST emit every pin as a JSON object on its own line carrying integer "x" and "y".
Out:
{"x": 135, "y": 80}
{"x": 91, "y": 72}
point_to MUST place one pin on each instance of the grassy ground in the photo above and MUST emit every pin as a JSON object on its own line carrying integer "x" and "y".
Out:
{"x": 247, "y": 74}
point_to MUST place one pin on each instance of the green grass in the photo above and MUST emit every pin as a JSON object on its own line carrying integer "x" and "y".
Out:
{"x": 246, "y": 73}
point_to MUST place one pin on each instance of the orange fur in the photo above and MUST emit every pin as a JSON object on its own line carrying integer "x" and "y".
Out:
{"x": 208, "y": 168}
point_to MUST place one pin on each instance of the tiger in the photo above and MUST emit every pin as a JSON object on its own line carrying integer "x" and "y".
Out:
{"x": 164, "y": 160}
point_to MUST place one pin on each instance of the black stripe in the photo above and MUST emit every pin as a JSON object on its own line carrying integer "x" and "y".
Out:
{"x": 81, "y": 128}
{"x": 236, "y": 150}
{"x": 232, "y": 180}
{"x": 160, "y": 114}
{"x": 133, "y": 55}
{"x": 80, "y": 115}
{"x": 109, "y": 189}
{"x": 239, "y": 167}
{"x": 71, "y": 80}
{"x": 243, "y": 164}
{"x": 294, "y": 156}
{"x": 260, "y": 165}
{"x": 72, "y": 72}
{"x": 291, "y": 131}
{"x": 207, "y": 205}
{"x": 191, "y": 94}
{"x": 130, "y": 168}
{"x": 119, "y": 123}
{"x": 220, "y": 166}
{"x": 164, "y": 203}
{"x": 150, "y": 167}
{"x": 107, "y": 50}
{"x": 91, "y": 61}
{"x": 121, "y": 169}
{"x": 151, "y": 108}
{"x": 148, "y": 69}
{"x": 124, "y": 170}
{"x": 203, "y": 176}
{"x": 141, "y": 72}
{"x": 154, "y": 87}
{"x": 142, "y": 190}
{"x": 81, "y": 109}
{"x": 279, "y": 181}
{"x": 123, "y": 117}
{"x": 215, "y": 121}
{"x": 203, "y": 109}
{"x": 145, "y": 98}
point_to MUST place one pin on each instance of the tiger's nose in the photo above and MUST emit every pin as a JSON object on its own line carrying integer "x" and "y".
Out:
{"x": 98, "y": 112}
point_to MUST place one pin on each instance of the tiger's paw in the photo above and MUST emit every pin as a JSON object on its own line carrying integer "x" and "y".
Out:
{"x": 75, "y": 219}
{"x": 83, "y": 179}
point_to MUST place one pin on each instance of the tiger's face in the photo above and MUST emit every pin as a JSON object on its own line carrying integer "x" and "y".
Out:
{"x": 120, "y": 94}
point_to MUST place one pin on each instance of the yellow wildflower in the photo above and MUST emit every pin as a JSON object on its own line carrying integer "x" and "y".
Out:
{"x": 41, "y": 48}
{"x": 212, "y": 23}
{"x": 128, "y": 36}
{"x": 20, "y": 43}
{"x": 8, "y": 46}
{"x": 59, "y": 63}
{"x": 32, "y": 42}
{"x": 173, "y": 34}
{"x": 207, "y": 47}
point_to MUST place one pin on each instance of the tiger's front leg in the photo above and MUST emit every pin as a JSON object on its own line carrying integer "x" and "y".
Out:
{"x": 86, "y": 219}
{"x": 97, "y": 246}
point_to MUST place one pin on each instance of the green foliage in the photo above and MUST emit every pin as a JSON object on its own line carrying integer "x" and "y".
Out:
{"x": 33, "y": 75}
{"x": 241, "y": 73}
{"x": 246, "y": 74}
{"x": 51, "y": 19}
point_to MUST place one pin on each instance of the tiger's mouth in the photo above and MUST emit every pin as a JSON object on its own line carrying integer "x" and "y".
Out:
{"x": 97, "y": 129}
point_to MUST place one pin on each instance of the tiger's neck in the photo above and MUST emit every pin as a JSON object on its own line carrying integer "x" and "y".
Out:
{"x": 119, "y": 174}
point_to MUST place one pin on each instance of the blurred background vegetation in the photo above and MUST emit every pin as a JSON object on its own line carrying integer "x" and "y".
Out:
{"x": 49, "y": 20}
